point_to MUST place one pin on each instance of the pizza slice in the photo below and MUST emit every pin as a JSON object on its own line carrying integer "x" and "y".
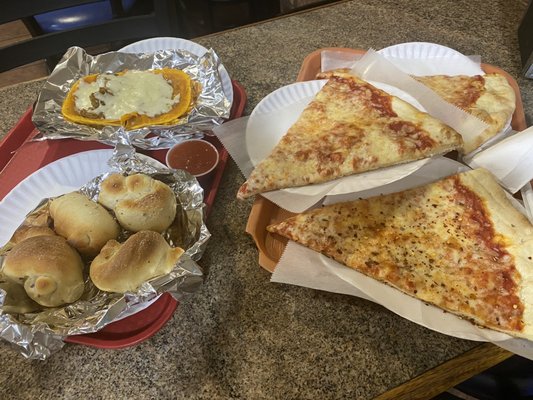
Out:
{"x": 457, "y": 243}
{"x": 349, "y": 127}
{"x": 489, "y": 97}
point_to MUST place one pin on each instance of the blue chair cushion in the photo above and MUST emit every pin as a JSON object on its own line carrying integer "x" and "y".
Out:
{"x": 78, "y": 16}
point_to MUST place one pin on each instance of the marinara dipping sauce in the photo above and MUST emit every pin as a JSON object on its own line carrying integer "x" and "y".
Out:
{"x": 195, "y": 156}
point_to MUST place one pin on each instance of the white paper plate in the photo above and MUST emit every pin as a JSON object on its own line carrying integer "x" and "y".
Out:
{"x": 170, "y": 43}
{"x": 275, "y": 113}
{"x": 62, "y": 176}
{"x": 421, "y": 58}
{"x": 416, "y": 50}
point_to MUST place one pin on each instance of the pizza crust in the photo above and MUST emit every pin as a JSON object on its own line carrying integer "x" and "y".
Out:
{"x": 495, "y": 106}
{"x": 518, "y": 231}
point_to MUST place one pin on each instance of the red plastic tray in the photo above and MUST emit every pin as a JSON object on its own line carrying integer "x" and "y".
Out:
{"x": 20, "y": 157}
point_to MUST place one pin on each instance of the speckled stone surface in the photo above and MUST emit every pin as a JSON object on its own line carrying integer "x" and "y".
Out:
{"x": 241, "y": 336}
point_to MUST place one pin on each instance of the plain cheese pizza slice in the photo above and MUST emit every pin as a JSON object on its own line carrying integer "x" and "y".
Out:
{"x": 348, "y": 128}
{"x": 489, "y": 97}
{"x": 457, "y": 243}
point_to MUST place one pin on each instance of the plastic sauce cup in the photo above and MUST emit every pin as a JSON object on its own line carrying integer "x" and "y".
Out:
{"x": 195, "y": 156}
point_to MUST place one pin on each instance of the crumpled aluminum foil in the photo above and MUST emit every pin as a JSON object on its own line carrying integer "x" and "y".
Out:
{"x": 40, "y": 333}
{"x": 211, "y": 109}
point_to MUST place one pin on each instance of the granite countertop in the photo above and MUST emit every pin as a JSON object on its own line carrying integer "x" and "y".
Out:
{"x": 241, "y": 336}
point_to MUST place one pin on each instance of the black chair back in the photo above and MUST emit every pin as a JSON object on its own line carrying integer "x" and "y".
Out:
{"x": 161, "y": 21}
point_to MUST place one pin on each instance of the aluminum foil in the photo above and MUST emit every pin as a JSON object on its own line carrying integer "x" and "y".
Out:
{"x": 211, "y": 108}
{"x": 39, "y": 333}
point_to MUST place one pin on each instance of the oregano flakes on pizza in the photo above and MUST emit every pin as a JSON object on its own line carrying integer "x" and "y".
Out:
{"x": 457, "y": 243}
{"x": 349, "y": 127}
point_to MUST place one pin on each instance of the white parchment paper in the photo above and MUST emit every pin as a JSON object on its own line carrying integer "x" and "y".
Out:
{"x": 510, "y": 160}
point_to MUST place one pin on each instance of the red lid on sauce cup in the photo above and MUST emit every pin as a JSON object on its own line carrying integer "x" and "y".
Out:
{"x": 195, "y": 156}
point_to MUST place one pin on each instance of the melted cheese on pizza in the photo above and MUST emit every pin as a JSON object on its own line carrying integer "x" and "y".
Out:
{"x": 349, "y": 127}
{"x": 441, "y": 243}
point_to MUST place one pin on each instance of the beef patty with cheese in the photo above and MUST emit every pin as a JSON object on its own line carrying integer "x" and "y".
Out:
{"x": 131, "y": 98}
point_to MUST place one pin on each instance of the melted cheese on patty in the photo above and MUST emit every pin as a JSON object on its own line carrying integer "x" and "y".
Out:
{"x": 113, "y": 96}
